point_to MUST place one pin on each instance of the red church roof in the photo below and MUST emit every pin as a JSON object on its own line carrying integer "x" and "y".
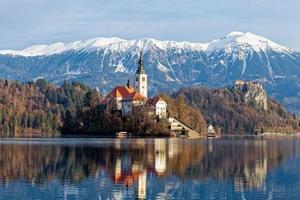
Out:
{"x": 135, "y": 96}
{"x": 120, "y": 91}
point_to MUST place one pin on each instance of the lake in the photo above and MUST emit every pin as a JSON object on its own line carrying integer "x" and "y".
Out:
{"x": 232, "y": 168}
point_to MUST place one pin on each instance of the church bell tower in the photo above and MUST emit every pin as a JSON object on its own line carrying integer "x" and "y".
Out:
{"x": 140, "y": 78}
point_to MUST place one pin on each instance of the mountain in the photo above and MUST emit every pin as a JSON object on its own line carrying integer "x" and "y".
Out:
{"x": 105, "y": 62}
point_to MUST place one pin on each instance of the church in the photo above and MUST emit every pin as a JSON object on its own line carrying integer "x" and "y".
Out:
{"x": 126, "y": 98}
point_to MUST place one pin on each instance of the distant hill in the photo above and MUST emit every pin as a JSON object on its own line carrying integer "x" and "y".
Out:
{"x": 105, "y": 62}
{"x": 240, "y": 111}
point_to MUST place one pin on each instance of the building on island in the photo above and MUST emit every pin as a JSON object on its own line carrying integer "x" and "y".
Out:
{"x": 140, "y": 78}
{"x": 211, "y": 129}
{"x": 134, "y": 99}
{"x": 113, "y": 100}
{"x": 159, "y": 106}
{"x": 126, "y": 98}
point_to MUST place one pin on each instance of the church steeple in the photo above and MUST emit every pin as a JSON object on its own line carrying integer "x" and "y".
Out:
{"x": 141, "y": 68}
{"x": 140, "y": 83}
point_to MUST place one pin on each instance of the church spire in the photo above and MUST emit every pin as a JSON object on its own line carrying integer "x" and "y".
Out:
{"x": 140, "y": 82}
{"x": 141, "y": 68}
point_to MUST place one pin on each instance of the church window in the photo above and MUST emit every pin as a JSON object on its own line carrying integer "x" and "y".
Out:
{"x": 143, "y": 79}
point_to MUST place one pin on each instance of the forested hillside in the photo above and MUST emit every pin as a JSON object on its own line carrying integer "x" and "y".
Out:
{"x": 40, "y": 109}
{"x": 226, "y": 109}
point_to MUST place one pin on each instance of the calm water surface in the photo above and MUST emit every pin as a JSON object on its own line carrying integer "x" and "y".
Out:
{"x": 150, "y": 169}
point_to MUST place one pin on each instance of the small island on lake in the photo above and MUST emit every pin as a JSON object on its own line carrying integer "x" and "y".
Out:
{"x": 42, "y": 109}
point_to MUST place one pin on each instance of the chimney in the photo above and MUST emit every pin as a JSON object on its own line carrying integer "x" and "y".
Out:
{"x": 128, "y": 83}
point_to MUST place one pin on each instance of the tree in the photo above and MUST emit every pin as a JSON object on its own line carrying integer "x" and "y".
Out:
{"x": 88, "y": 98}
{"x": 41, "y": 84}
{"x": 180, "y": 106}
{"x": 6, "y": 129}
{"x": 15, "y": 127}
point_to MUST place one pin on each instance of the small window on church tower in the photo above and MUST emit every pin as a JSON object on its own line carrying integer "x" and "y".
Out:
{"x": 143, "y": 79}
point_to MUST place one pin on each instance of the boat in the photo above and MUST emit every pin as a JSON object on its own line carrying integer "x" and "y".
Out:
{"x": 123, "y": 134}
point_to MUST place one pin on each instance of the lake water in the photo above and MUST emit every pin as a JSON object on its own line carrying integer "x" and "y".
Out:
{"x": 234, "y": 168}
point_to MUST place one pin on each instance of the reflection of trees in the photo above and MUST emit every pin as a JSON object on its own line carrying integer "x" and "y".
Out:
{"x": 246, "y": 162}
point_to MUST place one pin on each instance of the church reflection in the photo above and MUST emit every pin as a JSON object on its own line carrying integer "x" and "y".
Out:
{"x": 133, "y": 164}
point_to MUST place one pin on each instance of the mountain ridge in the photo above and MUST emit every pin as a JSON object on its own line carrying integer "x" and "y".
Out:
{"x": 104, "y": 63}
{"x": 94, "y": 44}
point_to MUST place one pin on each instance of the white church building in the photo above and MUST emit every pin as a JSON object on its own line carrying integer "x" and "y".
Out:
{"x": 125, "y": 98}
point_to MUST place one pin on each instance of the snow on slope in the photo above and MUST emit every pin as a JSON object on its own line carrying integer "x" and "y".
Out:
{"x": 243, "y": 41}
{"x": 233, "y": 42}
{"x": 40, "y": 50}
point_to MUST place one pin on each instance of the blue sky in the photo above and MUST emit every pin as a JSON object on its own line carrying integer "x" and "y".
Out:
{"x": 28, "y": 22}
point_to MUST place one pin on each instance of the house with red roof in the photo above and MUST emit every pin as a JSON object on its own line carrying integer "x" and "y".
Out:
{"x": 159, "y": 106}
{"x": 113, "y": 100}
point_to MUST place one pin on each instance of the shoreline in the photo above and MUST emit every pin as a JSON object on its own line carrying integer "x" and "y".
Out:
{"x": 268, "y": 135}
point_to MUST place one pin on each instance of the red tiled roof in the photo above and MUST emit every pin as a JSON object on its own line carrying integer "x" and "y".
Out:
{"x": 135, "y": 96}
{"x": 120, "y": 91}
{"x": 153, "y": 101}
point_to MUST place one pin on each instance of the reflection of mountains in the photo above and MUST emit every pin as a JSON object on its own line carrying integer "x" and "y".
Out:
{"x": 246, "y": 162}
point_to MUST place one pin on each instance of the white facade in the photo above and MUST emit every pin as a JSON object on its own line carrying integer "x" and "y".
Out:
{"x": 118, "y": 103}
{"x": 211, "y": 129}
{"x": 161, "y": 109}
{"x": 140, "y": 84}
{"x": 126, "y": 108}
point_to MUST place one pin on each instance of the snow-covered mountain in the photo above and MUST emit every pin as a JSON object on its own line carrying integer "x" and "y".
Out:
{"x": 105, "y": 62}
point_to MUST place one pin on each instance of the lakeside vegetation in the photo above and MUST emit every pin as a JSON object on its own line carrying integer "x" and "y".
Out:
{"x": 227, "y": 110}
{"x": 41, "y": 109}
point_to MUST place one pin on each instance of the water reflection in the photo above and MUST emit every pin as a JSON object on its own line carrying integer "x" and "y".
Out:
{"x": 158, "y": 168}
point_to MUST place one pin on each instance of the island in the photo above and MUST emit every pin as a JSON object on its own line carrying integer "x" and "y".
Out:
{"x": 41, "y": 109}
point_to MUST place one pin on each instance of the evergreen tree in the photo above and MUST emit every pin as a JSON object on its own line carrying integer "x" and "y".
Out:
{"x": 88, "y": 98}
{"x": 6, "y": 129}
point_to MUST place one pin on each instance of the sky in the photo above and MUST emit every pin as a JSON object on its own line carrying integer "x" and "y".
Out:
{"x": 29, "y": 22}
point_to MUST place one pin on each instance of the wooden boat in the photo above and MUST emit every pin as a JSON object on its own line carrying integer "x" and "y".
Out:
{"x": 123, "y": 134}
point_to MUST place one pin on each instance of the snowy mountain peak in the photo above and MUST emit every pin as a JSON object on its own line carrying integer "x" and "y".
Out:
{"x": 232, "y": 42}
{"x": 237, "y": 41}
{"x": 234, "y": 33}
{"x": 56, "y": 48}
